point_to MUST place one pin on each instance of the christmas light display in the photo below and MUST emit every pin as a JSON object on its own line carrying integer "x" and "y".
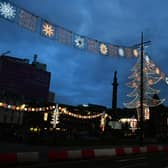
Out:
{"x": 151, "y": 77}
{"x": 112, "y": 50}
{"x": 121, "y": 52}
{"x": 7, "y": 10}
{"x": 45, "y": 116}
{"x": 27, "y": 20}
{"x": 92, "y": 46}
{"x": 48, "y": 29}
{"x": 79, "y": 116}
{"x": 166, "y": 80}
{"x": 79, "y": 42}
{"x": 103, "y": 121}
{"x": 64, "y": 36}
{"x": 62, "y": 110}
{"x": 103, "y": 49}
{"x": 55, "y": 117}
{"x": 23, "y": 107}
{"x": 135, "y": 52}
{"x": 128, "y": 52}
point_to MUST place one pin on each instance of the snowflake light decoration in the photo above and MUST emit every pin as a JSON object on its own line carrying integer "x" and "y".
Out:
{"x": 103, "y": 49}
{"x": 7, "y": 10}
{"x": 135, "y": 52}
{"x": 166, "y": 80}
{"x": 121, "y": 52}
{"x": 48, "y": 30}
{"x": 79, "y": 42}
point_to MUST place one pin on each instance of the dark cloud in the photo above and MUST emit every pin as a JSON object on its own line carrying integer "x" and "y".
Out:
{"x": 80, "y": 77}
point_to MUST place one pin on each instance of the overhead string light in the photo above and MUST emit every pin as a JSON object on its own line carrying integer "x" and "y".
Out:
{"x": 28, "y": 20}
{"x": 56, "y": 108}
{"x": 25, "y": 107}
{"x": 63, "y": 110}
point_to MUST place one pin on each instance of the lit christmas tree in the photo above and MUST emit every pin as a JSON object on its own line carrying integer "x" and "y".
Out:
{"x": 55, "y": 117}
{"x": 152, "y": 75}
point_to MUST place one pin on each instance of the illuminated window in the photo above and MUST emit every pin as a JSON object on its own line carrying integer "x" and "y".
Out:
{"x": 45, "y": 116}
{"x": 146, "y": 113}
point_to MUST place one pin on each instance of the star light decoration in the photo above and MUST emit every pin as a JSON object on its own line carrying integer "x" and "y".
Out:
{"x": 79, "y": 42}
{"x": 48, "y": 30}
{"x": 103, "y": 49}
{"x": 135, "y": 52}
{"x": 7, "y": 10}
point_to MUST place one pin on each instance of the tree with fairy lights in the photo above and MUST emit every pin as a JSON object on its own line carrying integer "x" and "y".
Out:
{"x": 55, "y": 117}
{"x": 152, "y": 75}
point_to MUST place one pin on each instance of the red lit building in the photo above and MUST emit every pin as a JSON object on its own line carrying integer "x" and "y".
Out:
{"x": 30, "y": 82}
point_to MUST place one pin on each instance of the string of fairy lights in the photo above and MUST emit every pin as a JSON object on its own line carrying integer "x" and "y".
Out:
{"x": 62, "y": 110}
{"x": 66, "y": 112}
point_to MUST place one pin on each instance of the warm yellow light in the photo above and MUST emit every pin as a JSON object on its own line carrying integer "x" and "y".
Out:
{"x": 22, "y": 106}
{"x": 124, "y": 120}
{"x": 35, "y": 129}
{"x": 146, "y": 113}
{"x": 31, "y": 129}
{"x": 1, "y": 104}
{"x": 157, "y": 71}
{"x": 135, "y": 52}
{"x": 17, "y": 108}
{"x": 45, "y": 116}
{"x": 103, "y": 49}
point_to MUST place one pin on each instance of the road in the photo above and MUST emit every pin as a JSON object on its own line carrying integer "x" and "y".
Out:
{"x": 153, "y": 160}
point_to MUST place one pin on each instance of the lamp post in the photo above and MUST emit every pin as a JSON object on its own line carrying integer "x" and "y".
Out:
{"x": 141, "y": 46}
{"x": 141, "y": 94}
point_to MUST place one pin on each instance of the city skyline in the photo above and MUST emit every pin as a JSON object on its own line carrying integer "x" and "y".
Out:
{"x": 80, "y": 77}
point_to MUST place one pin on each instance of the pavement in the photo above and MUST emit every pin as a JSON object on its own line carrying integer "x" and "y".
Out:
{"x": 55, "y": 155}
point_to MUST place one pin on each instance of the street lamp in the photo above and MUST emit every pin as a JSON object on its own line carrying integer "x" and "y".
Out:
{"x": 141, "y": 46}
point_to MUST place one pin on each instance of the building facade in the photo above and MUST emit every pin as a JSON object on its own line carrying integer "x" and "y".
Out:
{"x": 26, "y": 81}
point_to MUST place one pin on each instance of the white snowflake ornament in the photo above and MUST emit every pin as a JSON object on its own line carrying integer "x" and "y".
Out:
{"x": 79, "y": 42}
{"x": 7, "y": 10}
{"x": 166, "y": 80}
{"x": 121, "y": 52}
{"x": 103, "y": 49}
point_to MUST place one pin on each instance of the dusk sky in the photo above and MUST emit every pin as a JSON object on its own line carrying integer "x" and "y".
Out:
{"x": 80, "y": 77}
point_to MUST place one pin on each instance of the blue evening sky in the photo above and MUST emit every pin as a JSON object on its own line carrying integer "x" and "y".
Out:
{"x": 80, "y": 77}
